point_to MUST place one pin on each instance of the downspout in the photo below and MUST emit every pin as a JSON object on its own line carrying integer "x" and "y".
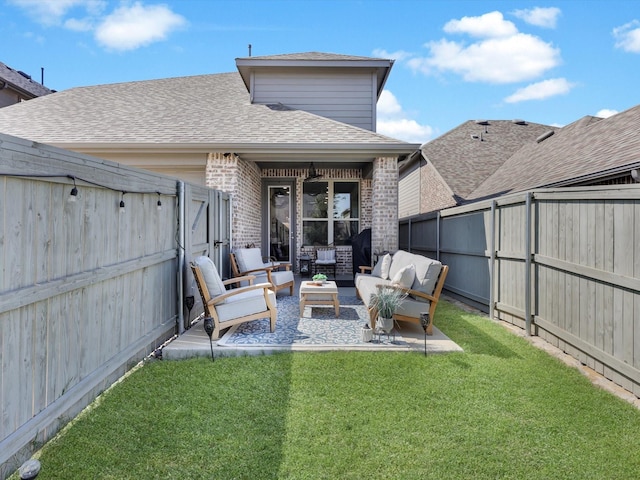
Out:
{"x": 527, "y": 268}
{"x": 438, "y": 220}
{"x": 492, "y": 262}
{"x": 181, "y": 256}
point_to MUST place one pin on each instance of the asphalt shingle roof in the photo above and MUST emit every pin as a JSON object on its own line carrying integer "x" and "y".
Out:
{"x": 584, "y": 148}
{"x": 467, "y": 155}
{"x": 22, "y": 82}
{"x": 205, "y": 109}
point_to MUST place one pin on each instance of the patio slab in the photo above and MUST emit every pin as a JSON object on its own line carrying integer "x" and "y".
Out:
{"x": 195, "y": 342}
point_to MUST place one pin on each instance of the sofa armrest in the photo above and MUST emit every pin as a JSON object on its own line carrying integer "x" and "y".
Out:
{"x": 365, "y": 268}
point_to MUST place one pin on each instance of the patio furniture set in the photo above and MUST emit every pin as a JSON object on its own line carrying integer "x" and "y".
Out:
{"x": 256, "y": 283}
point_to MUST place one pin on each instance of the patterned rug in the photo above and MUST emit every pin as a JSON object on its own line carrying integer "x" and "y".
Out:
{"x": 318, "y": 327}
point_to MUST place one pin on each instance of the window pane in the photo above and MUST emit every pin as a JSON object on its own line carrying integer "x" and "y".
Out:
{"x": 314, "y": 232}
{"x": 314, "y": 199}
{"x": 343, "y": 231}
{"x": 345, "y": 200}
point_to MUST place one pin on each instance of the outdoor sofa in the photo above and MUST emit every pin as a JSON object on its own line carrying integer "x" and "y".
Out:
{"x": 421, "y": 278}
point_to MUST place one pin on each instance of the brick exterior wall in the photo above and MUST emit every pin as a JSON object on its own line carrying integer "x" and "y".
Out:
{"x": 384, "y": 203}
{"x": 241, "y": 180}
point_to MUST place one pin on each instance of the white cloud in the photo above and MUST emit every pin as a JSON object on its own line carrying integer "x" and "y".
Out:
{"x": 511, "y": 59}
{"x": 398, "y": 55}
{"x": 137, "y": 25}
{"x": 606, "y": 113}
{"x": 78, "y": 25}
{"x": 388, "y": 104}
{"x": 540, "y": 17}
{"x": 130, "y": 26}
{"x": 489, "y": 25}
{"x": 541, "y": 90}
{"x": 628, "y": 37}
{"x": 392, "y": 121}
{"x": 51, "y": 12}
{"x": 504, "y": 55}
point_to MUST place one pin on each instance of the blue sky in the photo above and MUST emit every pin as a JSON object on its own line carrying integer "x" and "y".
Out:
{"x": 549, "y": 62}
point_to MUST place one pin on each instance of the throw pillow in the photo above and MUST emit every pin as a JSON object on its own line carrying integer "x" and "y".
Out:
{"x": 386, "y": 265}
{"x": 405, "y": 277}
{"x": 377, "y": 270}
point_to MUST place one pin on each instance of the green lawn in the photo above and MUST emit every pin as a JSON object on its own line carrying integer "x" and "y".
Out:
{"x": 501, "y": 409}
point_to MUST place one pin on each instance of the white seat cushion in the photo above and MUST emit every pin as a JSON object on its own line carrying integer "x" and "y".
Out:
{"x": 244, "y": 303}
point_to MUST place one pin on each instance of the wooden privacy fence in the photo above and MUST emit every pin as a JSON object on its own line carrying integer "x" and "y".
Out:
{"x": 563, "y": 264}
{"x": 87, "y": 289}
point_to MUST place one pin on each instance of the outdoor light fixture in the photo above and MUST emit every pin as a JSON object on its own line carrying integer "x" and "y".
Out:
{"x": 424, "y": 321}
{"x": 313, "y": 175}
{"x": 159, "y": 202}
{"x": 122, "y": 203}
{"x": 208, "y": 327}
{"x": 73, "y": 195}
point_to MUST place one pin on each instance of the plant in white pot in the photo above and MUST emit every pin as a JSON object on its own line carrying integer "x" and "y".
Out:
{"x": 386, "y": 301}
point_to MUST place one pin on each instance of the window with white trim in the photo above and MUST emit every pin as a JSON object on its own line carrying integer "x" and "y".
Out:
{"x": 330, "y": 212}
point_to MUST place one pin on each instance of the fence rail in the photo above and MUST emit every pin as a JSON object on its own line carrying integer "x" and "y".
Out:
{"x": 562, "y": 263}
{"x": 86, "y": 290}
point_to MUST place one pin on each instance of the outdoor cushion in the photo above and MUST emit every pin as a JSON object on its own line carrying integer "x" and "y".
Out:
{"x": 385, "y": 265}
{"x": 278, "y": 278}
{"x": 245, "y": 303}
{"x": 427, "y": 273}
{"x": 249, "y": 259}
{"x": 211, "y": 276}
{"x": 405, "y": 276}
{"x": 326, "y": 257}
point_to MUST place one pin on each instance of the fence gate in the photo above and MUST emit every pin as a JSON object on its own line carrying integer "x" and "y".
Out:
{"x": 207, "y": 232}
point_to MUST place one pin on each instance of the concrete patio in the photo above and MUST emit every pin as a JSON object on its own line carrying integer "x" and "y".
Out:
{"x": 195, "y": 342}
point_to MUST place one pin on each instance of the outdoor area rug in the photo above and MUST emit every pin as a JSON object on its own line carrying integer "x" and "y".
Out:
{"x": 318, "y": 327}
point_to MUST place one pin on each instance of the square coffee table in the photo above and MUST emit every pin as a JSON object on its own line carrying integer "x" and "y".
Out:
{"x": 314, "y": 294}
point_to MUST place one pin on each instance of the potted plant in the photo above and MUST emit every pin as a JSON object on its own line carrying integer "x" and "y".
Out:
{"x": 320, "y": 278}
{"x": 386, "y": 301}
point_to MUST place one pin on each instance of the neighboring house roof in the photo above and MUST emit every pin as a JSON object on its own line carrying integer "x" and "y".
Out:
{"x": 21, "y": 82}
{"x": 467, "y": 155}
{"x": 199, "y": 114}
{"x": 315, "y": 59}
{"x": 588, "y": 149}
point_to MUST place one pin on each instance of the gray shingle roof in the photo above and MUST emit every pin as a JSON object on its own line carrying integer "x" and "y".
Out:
{"x": 313, "y": 56}
{"x": 207, "y": 109}
{"x": 18, "y": 80}
{"x": 467, "y": 155}
{"x": 583, "y": 149}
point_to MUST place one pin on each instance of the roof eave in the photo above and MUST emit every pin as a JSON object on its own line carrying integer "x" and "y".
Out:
{"x": 284, "y": 151}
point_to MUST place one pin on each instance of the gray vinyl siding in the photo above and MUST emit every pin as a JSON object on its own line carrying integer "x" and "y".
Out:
{"x": 347, "y": 97}
{"x": 409, "y": 194}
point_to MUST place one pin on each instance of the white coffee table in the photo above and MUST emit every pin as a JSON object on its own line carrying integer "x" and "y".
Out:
{"x": 314, "y": 294}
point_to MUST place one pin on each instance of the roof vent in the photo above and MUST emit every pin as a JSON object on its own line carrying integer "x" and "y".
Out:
{"x": 544, "y": 136}
{"x": 25, "y": 75}
{"x": 482, "y": 122}
{"x": 519, "y": 121}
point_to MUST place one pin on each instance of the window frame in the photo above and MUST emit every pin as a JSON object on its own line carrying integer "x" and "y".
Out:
{"x": 330, "y": 220}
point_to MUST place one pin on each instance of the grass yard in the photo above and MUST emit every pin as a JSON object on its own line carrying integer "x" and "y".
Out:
{"x": 502, "y": 409}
